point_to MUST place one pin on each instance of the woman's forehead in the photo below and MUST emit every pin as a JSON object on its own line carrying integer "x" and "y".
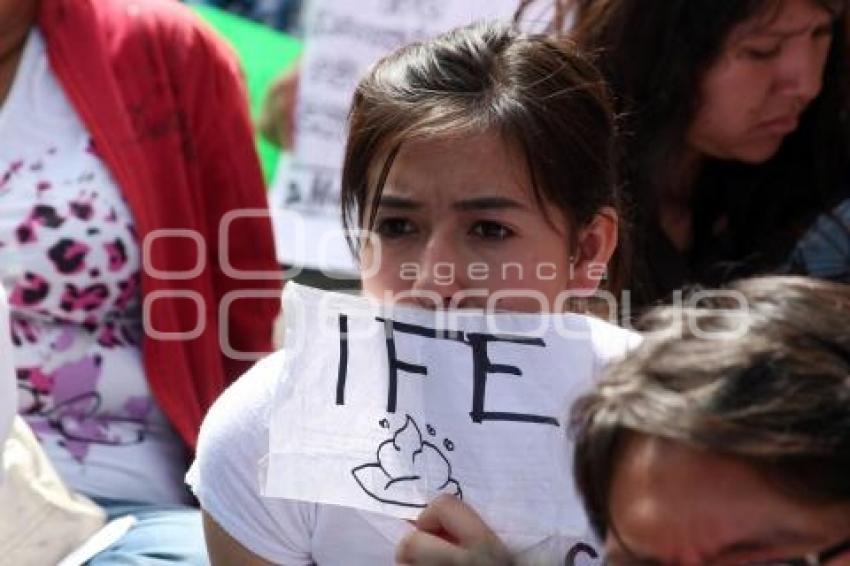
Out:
{"x": 783, "y": 18}
{"x": 474, "y": 163}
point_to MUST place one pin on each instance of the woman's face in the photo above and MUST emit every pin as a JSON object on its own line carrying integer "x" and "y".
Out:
{"x": 458, "y": 222}
{"x": 769, "y": 70}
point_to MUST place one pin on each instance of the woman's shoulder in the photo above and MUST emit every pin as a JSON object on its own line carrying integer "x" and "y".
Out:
{"x": 225, "y": 476}
{"x": 243, "y": 410}
{"x": 163, "y": 24}
{"x": 234, "y": 437}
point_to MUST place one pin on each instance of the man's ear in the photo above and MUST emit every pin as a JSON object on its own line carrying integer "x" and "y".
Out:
{"x": 596, "y": 243}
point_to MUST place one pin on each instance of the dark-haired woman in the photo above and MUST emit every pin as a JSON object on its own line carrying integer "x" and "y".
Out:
{"x": 734, "y": 154}
{"x": 451, "y": 162}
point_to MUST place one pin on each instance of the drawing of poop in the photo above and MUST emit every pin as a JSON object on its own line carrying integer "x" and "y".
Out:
{"x": 406, "y": 468}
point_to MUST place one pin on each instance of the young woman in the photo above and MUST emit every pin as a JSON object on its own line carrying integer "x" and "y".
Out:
{"x": 125, "y": 142}
{"x": 734, "y": 152}
{"x": 477, "y": 149}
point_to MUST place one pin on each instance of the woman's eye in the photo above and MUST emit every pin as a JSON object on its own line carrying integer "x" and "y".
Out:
{"x": 487, "y": 230}
{"x": 762, "y": 53}
{"x": 394, "y": 227}
{"x": 823, "y": 32}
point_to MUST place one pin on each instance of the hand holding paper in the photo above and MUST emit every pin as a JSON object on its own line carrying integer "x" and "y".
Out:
{"x": 451, "y": 532}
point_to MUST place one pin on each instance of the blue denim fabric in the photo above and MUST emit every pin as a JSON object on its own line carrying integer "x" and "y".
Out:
{"x": 824, "y": 251}
{"x": 164, "y": 535}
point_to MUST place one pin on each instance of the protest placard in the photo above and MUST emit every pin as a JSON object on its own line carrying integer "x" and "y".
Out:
{"x": 382, "y": 409}
{"x": 341, "y": 41}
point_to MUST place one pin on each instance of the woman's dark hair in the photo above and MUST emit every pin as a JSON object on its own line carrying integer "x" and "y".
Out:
{"x": 540, "y": 95}
{"x": 654, "y": 54}
{"x": 760, "y": 372}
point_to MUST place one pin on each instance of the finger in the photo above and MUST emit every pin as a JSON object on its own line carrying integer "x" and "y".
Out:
{"x": 418, "y": 548}
{"x": 447, "y": 514}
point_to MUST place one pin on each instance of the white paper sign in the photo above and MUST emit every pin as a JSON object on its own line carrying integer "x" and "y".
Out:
{"x": 383, "y": 409}
{"x": 8, "y": 386}
{"x": 342, "y": 39}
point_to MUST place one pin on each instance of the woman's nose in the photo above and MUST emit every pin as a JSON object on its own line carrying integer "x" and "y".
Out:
{"x": 801, "y": 71}
{"x": 441, "y": 272}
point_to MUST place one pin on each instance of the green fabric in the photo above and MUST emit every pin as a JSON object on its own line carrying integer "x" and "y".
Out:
{"x": 264, "y": 54}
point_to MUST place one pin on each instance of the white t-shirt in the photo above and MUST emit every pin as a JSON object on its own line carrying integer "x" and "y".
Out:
{"x": 70, "y": 262}
{"x": 225, "y": 477}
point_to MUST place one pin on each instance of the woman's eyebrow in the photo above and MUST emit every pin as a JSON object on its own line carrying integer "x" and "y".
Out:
{"x": 487, "y": 203}
{"x": 789, "y": 33}
{"x": 404, "y": 203}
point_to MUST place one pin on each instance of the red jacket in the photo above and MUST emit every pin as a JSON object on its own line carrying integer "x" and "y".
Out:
{"x": 164, "y": 101}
